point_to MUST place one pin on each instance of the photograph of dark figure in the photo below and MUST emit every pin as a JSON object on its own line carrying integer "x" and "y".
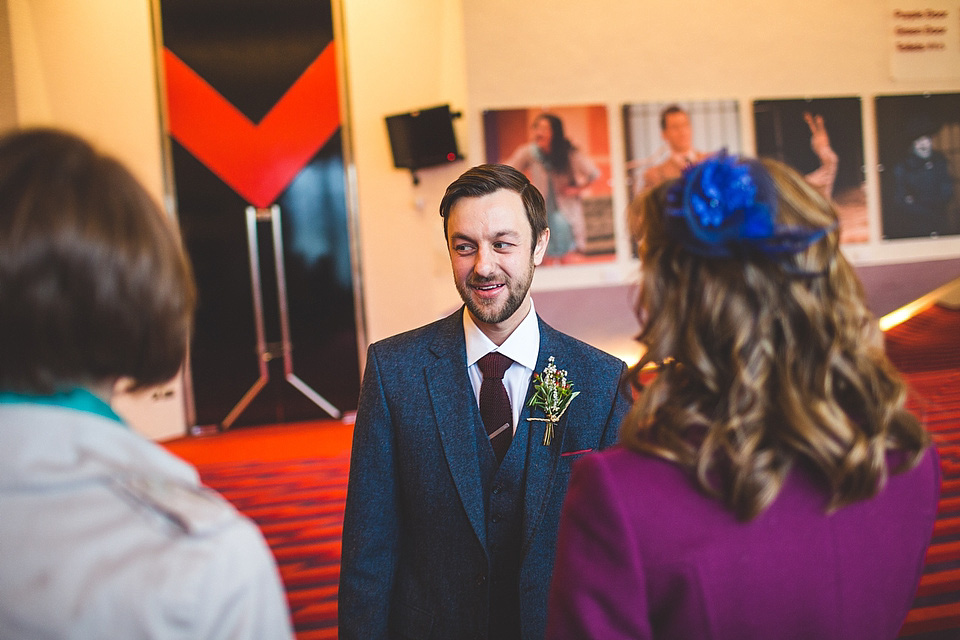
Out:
{"x": 918, "y": 151}
{"x": 822, "y": 139}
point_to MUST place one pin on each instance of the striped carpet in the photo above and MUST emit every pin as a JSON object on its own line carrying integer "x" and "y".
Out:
{"x": 298, "y": 505}
{"x": 926, "y": 349}
{"x": 292, "y": 482}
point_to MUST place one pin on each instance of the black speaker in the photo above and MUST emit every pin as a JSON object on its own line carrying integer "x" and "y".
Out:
{"x": 423, "y": 138}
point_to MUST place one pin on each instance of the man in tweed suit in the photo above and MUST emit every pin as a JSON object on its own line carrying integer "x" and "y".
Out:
{"x": 446, "y": 534}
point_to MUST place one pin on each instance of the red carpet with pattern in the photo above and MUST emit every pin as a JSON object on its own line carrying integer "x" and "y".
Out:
{"x": 926, "y": 349}
{"x": 291, "y": 479}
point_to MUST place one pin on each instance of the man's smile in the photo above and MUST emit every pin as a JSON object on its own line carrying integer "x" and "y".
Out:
{"x": 487, "y": 289}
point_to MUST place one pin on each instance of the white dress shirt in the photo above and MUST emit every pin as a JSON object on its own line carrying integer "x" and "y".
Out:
{"x": 523, "y": 347}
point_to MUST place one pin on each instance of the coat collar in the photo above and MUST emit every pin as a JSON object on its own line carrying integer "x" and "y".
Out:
{"x": 451, "y": 397}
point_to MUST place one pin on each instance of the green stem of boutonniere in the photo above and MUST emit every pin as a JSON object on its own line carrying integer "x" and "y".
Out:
{"x": 552, "y": 394}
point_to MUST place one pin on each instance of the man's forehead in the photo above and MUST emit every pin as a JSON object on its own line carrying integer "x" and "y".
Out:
{"x": 499, "y": 201}
{"x": 499, "y": 212}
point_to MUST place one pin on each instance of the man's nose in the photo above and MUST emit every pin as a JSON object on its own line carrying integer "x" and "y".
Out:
{"x": 486, "y": 262}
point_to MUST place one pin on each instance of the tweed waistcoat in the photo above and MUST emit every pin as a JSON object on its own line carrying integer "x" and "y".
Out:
{"x": 503, "y": 493}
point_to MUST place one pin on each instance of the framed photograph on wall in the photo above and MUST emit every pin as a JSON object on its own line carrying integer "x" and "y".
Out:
{"x": 662, "y": 138}
{"x": 565, "y": 152}
{"x": 822, "y": 138}
{"x": 918, "y": 146}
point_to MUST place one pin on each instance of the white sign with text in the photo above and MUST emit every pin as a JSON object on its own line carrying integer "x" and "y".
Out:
{"x": 924, "y": 40}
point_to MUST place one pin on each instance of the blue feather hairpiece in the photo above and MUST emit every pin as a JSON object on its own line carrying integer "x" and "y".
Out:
{"x": 726, "y": 205}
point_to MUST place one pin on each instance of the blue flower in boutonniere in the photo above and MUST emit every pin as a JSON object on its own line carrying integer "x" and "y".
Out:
{"x": 552, "y": 394}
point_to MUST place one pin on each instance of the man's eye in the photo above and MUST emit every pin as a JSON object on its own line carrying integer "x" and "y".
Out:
{"x": 500, "y": 246}
{"x": 463, "y": 248}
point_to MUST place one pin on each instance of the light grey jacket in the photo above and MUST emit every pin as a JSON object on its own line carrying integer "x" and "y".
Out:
{"x": 104, "y": 534}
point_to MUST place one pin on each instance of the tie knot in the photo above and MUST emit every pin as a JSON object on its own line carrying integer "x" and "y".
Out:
{"x": 493, "y": 365}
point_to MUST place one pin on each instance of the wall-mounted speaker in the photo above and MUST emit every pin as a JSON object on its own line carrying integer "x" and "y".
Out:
{"x": 423, "y": 138}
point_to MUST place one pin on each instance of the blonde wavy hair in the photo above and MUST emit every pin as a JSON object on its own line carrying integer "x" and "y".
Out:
{"x": 764, "y": 363}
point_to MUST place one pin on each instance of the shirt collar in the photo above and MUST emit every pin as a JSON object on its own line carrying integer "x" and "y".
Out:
{"x": 522, "y": 346}
{"x": 77, "y": 399}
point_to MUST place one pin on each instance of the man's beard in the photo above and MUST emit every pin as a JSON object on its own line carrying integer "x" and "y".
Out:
{"x": 489, "y": 313}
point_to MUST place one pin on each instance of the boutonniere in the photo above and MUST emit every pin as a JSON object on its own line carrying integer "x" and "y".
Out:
{"x": 552, "y": 394}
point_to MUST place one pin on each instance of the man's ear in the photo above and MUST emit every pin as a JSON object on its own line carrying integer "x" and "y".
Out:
{"x": 541, "y": 248}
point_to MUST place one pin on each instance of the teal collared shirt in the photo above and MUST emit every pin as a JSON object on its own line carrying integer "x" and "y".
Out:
{"x": 78, "y": 399}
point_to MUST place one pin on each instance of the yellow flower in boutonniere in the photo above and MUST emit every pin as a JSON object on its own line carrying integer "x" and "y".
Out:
{"x": 552, "y": 394}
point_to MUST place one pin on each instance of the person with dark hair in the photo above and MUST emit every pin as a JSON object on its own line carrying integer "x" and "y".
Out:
{"x": 560, "y": 172}
{"x": 923, "y": 186}
{"x": 769, "y": 482}
{"x": 104, "y": 533}
{"x": 461, "y": 452}
{"x": 678, "y": 134}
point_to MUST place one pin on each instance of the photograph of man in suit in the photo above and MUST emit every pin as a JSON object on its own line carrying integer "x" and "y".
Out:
{"x": 452, "y": 511}
{"x": 678, "y": 134}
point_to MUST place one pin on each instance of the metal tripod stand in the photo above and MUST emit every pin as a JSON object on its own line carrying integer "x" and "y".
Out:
{"x": 270, "y": 351}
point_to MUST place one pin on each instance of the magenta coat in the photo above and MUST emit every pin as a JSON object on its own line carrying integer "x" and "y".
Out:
{"x": 643, "y": 554}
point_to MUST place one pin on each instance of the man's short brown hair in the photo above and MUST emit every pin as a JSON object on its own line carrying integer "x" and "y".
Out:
{"x": 485, "y": 179}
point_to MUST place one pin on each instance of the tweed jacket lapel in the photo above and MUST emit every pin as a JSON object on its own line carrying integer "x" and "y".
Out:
{"x": 541, "y": 459}
{"x": 455, "y": 411}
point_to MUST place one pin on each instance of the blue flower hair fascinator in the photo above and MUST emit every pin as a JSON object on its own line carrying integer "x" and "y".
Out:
{"x": 725, "y": 206}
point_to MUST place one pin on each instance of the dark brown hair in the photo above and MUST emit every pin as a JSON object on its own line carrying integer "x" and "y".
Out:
{"x": 765, "y": 363}
{"x": 485, "y": 179}
{"x": 667, "y": 112}
{"x": 94, "y": 283}
{"x": 558, "y": 159}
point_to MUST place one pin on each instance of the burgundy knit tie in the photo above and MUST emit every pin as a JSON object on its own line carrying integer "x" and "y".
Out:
{"x": 494, "y": 402}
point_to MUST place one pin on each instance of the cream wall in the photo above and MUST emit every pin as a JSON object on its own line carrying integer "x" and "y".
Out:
{"x": 87, "y": 65}
{"x": 545, "y": 52}
{"x": 402, "y": 56}
{"x": 617, "y": 52}
{"x": 8, "y": 105}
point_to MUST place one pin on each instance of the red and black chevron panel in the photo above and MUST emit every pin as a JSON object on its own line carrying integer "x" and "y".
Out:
{"x": 252, "y": 108}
